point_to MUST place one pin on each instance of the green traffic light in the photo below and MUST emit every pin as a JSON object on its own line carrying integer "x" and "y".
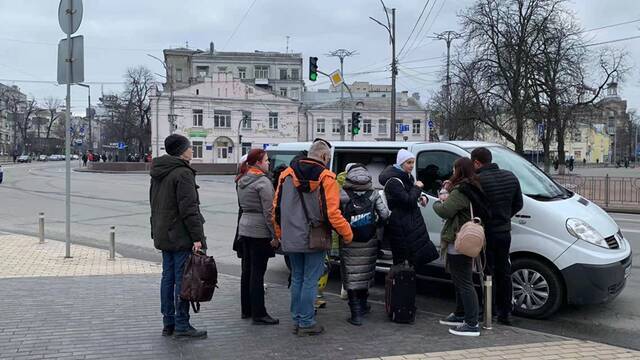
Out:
{"x": 313, "y": 76}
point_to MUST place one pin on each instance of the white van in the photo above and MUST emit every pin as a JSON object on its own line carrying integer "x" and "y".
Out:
{"x": 564, "y": 249}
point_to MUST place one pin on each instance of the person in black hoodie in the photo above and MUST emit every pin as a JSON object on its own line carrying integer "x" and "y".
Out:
{"x": 176, "y": 229}
{"x": 406, "y": 230}
{"x": 505, "y": 200}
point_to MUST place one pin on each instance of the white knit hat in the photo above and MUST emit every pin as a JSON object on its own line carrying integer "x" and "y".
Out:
{"x": 243, "y": 158}
{"x": 403, "y": 156}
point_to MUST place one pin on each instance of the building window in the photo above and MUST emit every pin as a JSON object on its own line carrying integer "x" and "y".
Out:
{"x": 242, "y": 73}
{"x": 246, "y": 147}
{"x": 382, "y": 127}
{"x": 197, "y": 117}
{"x": 202, "y": 71}
{"x": 221, "y": 119}
{"x": 295, "y": 74}
{"x": 273, "y": 120}
{"x": 366, "y": 126}
{"x": 197, "y": 149}
{"x": 246, "y": 120}
{"x": 283, "y": 74}
{"x": 577, "y": 136}
{"x": 320, "y": 126}
{"x": 295, "y": 93}
{"x": 335, "y": 126}
{"x": 179, "y": 75}
{"x": 262, "y": 72}
{"x": 416, "y": 127}
{"x": 283, "y": 92}
{"x": 222, "y": 69}
{"x": 223, "y": 146}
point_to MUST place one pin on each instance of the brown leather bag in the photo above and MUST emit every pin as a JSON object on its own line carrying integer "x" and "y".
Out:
{"x": 199, "y": 279}
{"x": 470, "y": 239}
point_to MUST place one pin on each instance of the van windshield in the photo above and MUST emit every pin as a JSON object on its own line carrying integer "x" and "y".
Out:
{"x": 533, "y": 181}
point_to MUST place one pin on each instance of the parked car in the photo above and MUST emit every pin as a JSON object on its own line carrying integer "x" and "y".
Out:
{"x": 24, "y": 159}
{"x": 42, "y": 157}
{"x": 75, "y": 157}
{"x": 54, "y": 157}
{"x": 565, "y": 249}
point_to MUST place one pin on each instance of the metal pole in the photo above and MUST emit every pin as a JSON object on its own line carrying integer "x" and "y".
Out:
{"x": 157, "y": 123}
{"x": 67, "y": 142}
{"x": 112, "y": 243}
{"x": 342, "y": 127}
{"x": 394, "y": 72}
{"x": 488, "y": 292}
{"x": 172, "y": 100}
{"x": 41, "y": 227}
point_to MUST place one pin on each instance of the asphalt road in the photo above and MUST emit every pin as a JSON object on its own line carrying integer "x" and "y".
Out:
{"x": 102, "y": 200}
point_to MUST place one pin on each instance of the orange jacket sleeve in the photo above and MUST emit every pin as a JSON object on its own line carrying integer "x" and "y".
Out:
{"x": 332, "y": 198}
{"x": 276, "y": 209}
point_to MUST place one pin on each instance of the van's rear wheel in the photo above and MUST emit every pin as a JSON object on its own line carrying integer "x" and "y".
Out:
{"x": 538, "y": 291}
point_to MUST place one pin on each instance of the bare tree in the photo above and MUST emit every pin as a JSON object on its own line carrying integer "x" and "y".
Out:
{"x": 500, "y": 38}
{"x": 52, "y": 105}
{"x": 140, "y": 82}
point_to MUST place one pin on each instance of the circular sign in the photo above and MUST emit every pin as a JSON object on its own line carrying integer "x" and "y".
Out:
{"x": 70, "y": 15}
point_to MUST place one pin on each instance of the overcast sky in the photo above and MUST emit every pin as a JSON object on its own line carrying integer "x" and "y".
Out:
{"x": 119, "y": 33}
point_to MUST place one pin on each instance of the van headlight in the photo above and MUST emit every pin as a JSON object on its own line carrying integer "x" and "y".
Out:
{"x": 583, "y": 231}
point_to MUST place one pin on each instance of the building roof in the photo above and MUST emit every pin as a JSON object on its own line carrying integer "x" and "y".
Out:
{"x": 197, "y": 53}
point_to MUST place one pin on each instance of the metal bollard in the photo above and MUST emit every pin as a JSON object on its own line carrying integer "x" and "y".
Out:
{"x": 488, "y": 308}
{"x": 112, "y": 243}
{"x": 41, "y": 227}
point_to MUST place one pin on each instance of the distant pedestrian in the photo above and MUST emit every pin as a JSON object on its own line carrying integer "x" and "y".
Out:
{"x": 363, "y": 207}
{"x": 584, "y": 161}
{"x": 176, "y": 229}
{"x": 15, "y": 156}
{"x": 104, "y": 157}
{"x": 109, "y": 157}
{"x": 463, "y": 195}
{"x": 406, "y": 230}
{"x": 256, "y": 234}
{"x": 626, "y": 163}
{"x": 84, "y": 160}
{"x": 504, "y": 195}
{"x": 306, "y": 207}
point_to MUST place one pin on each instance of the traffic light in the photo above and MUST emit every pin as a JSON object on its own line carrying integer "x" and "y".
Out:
{"x": 355, "y": 123}
{"x": 313, "y": 68}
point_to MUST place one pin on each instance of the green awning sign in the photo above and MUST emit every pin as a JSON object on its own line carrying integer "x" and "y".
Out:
{"x": 198, "y": 133}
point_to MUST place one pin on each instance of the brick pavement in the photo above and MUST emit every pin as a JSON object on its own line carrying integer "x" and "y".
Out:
{"x": 23, "y": 256}
{"x": 118, "y": 317}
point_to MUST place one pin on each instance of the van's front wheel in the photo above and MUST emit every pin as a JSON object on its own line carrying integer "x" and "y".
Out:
{"x": 538, "y": 291}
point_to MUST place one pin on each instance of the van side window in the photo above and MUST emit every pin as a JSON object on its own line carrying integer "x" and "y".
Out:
{"x": 433, "y": 168}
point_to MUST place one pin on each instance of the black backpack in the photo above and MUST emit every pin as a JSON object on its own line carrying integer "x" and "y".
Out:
{"x": 361, "y": 215}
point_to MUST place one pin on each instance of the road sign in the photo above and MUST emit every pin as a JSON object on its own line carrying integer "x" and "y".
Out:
{"x": 70, "y": 15}
{"x": 77, "y": 60}
{"x": 82, "y": 130}
{"x": 336, "y": 78}
{"x": 121, "y": 146}
{"x": 430, "y": 124}
{"x": 404, "y": 127}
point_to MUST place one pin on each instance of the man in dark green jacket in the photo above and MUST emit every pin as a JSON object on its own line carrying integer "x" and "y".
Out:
{"x": 176, "y": 229}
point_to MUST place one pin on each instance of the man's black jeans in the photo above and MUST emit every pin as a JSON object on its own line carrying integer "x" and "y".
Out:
{"x": 499, "y": 266}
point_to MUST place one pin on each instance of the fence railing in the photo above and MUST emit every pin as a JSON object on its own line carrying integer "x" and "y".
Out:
{"x": 611, "y": 193}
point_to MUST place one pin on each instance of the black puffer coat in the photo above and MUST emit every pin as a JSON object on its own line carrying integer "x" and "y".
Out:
{"x": 406, "y": 231}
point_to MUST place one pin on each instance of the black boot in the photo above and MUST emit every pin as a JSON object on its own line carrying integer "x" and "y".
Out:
{"x": 364, "y": 304}
{"x": 355, "y": 306}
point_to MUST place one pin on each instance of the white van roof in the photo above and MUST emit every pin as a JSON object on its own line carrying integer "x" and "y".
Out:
{"x": 294, "y": 146}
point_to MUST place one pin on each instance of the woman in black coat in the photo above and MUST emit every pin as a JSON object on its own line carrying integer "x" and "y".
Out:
{"x": 406, "y": 230}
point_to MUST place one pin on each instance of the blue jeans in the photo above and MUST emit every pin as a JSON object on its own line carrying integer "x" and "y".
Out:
{"x": 175, "y": 311}
{"x": 306, "y": 269}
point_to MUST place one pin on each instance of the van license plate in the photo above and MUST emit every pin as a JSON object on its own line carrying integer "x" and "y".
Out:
{"x": 627, "y": 272}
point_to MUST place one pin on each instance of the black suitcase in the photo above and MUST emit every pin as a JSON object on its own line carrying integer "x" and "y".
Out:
{"x": 400, "y": 294}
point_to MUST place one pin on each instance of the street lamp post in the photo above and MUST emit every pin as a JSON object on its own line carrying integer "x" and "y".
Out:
{"x": 169, "y": 71}
{"x": 89, "y": 112}
{"x": 391, "y": 28}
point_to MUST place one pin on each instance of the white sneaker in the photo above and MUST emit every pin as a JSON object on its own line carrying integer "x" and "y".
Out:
{"x": 343, "y": 294}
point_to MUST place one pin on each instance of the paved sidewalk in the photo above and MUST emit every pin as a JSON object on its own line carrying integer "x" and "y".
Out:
{"x": 117, "y": 316}
{"x": 23, "y": 256}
